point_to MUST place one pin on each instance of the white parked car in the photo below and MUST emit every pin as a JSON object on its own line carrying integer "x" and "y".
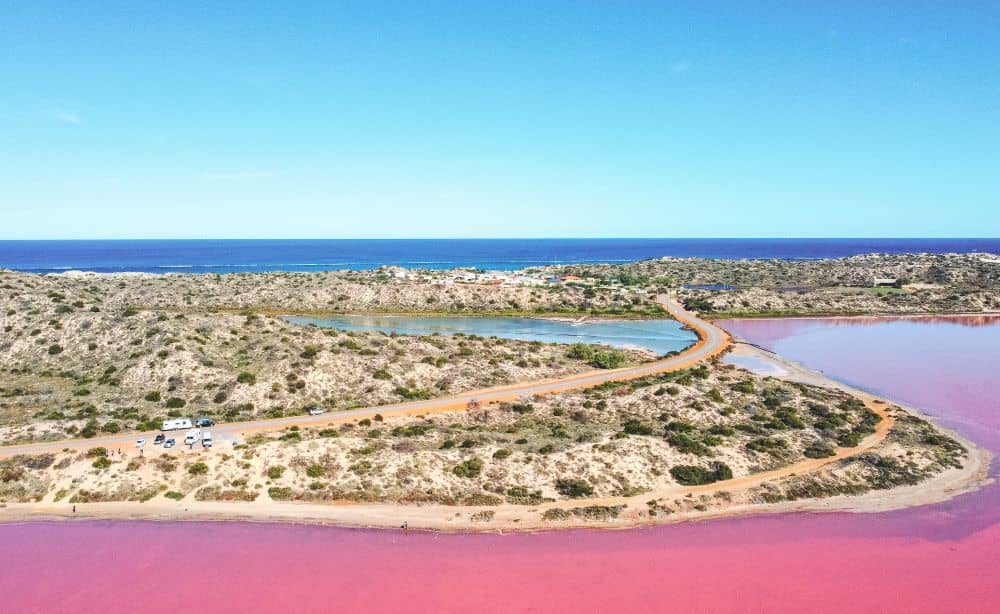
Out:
{"x": 192, "y": 437}
{"x": 206, "y": 439}
{"x": 140, "y": 442}
{"x": 315, "y": 411}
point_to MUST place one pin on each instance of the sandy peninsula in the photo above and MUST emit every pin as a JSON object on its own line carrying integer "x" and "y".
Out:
{"x": 736, "y": 496}
{"x": 461, "y": 432}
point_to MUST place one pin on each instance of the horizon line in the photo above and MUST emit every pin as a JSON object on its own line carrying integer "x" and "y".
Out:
{"x": 550, "y": 238}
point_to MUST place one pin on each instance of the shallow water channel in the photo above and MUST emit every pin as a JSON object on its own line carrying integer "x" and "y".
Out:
{"x": 660, "y": 336}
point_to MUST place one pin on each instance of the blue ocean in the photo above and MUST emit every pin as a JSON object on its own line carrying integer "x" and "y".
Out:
{"x": 229, "y": 256}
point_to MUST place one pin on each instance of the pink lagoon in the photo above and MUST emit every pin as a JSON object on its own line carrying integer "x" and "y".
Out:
{"x": 935, "y": 558}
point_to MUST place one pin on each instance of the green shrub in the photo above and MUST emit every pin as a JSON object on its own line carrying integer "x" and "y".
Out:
{"x": 702, "y": 305}
{"x": 9, "y": 472}
{"x": 198, "y": 469}
{"x": 819, "y": 449}
{"x": 687, "y": 444}
{"x": 175, "y": 403}
{"x": 381, "y": 374}
{"x": 468, "y": 468}
{"x": 635, "y": 427}
{"x": 89, "y": 430}
{"x": 849, "y": 439}
{"x": 693, "y": 475}
{"x": 556, "y": 514}
{"x": 55, "y": 348}
{"x": 246, "y": 378}
{"x": 502, "y": 453}
{"x": 416, "y": 394}
{"x": 721, "y": 429}
{"x": 580, "y": 351}
{"x": 315, "y": 470}
{"x": 519, "y": 495}
{"x": 574, "y": 488}
{"x": 97, "y": 452}
{"x": 522, "y": 408}
{"x": 679, "y": 426}
{"x": 102, "y": 463}
{"x": 411, "y": 430}
{"x": 275, "y": 471}
{"x": 789, "y": 418}
{"x": 153, "y": 396}
{"x": 609, "y": 359}
{"x": 767, "y": 444}
{"x": 173, "y": 494}
{"x": 280, "y": 493}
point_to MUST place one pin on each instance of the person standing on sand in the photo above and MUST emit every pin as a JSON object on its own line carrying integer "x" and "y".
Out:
{"x": 74, "y": 508}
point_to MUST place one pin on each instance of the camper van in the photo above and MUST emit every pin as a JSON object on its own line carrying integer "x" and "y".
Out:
{"x": 206, "y": 439}
{"x": 192, "y": 437}
{"x": 176, "y": 424}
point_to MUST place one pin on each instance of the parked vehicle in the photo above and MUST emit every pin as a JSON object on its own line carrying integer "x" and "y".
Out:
{"x": 158, "y": 439}
{"x": 169, "y": 443}
{"x": 204, "y": 422}
{"x": 315, "y": 411}
{"x": 206, "y": 439}
{"x": 140, "y": 442}
{"x": 192, "y": 437}
{"x": 176, "y": 424}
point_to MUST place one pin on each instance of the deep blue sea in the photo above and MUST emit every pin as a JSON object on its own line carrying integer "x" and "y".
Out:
{"x": 229, "y": 256}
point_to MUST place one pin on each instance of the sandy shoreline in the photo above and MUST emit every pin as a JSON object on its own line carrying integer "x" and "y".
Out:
{"x": 506, "y": 518}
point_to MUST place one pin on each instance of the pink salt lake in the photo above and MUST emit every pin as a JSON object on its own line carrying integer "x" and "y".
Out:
{"x": 935, "y": 558}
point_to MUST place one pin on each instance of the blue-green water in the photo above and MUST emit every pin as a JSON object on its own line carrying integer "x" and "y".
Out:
{"x": 660, "y": 336}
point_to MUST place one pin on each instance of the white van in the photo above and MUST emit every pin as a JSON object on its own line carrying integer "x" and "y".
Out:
{"x": 206, "y": 439}
{"x": 192, "y": 437}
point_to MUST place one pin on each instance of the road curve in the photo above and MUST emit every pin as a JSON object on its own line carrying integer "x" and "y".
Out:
{"x": 712, "y": 341}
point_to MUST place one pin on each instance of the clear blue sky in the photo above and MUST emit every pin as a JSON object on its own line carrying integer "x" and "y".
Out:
{"x": 494, "y": 119}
